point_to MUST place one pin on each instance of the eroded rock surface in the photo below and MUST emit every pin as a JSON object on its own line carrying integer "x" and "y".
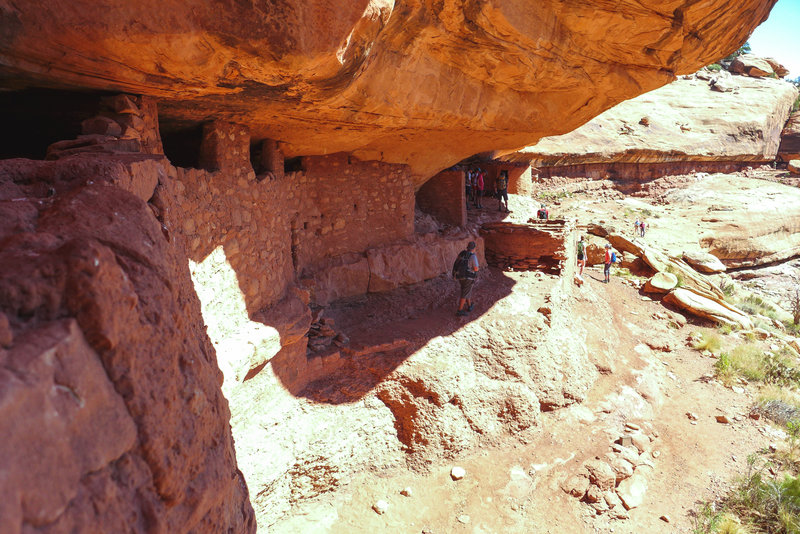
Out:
{"x": 449, "y": 79}
{"x": 111, "y": 408}
{"x": 790, "y": 139}
{"x": 682, "y": 124}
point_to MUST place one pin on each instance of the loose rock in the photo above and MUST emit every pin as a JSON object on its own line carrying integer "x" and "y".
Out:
{"x": 380, "y": 507}
{"x": 457, "y": 473}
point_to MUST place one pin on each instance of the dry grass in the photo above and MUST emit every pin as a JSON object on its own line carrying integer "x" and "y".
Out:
{"x": 710, "y": 341}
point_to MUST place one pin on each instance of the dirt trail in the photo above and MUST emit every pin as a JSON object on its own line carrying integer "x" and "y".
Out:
{"x": 516, "y": 488}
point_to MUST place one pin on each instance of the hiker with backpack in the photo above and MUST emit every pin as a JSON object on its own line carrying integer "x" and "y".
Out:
{"x": 543, "y": 213}
{"x": 609, "y": 258}
{"x": 501, "y": 190}
{"x": 581, "y": 257}
{"x": 465, "y": 270}
{"x": 641, "y": 227}
{"x": 636, "y": 230}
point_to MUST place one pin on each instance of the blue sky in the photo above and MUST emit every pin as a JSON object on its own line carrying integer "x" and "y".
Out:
{"x": 779, "y": 36}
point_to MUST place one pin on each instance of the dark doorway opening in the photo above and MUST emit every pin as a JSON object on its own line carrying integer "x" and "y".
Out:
{"x": 182, "y": 142}
{"x": 33, "y": 119}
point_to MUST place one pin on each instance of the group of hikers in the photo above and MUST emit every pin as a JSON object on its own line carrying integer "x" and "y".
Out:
{"x": 639, "y": 227}
{"x": 466, "y": 267}
{"x": 475, "y": 186}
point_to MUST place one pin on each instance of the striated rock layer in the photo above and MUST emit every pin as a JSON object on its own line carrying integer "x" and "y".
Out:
{"x": 680, "y": 127}
{"x": 418, "y": 82}
{"x": 790, "y": 139}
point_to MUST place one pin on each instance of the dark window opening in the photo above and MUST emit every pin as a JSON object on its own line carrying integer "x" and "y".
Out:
{"x": 34, "y": 119}
{"x": 293, "y": 164}
{"x": 255, "y": 159}
{"x": 182, "y": 143}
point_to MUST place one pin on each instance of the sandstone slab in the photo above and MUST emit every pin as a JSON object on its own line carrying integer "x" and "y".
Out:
{"x": 708, "y": 308}
{"x": 704, "y": 262}
{"x": 661, "y": 282}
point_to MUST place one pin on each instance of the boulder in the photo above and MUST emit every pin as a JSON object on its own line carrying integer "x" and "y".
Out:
{"x": 343, "y": 277}
{"x": 723, "y": 85}
{"x": 595, "y": 254}
{"x": 620, "y": 242}
{"x": 422, "y": 258}
{"x": 794, "y": 166}
{"x": 752, "y": 66}
{"x": 601, "y": 474}
{"x": 779, "y": 70}
{"x": 632, "y": 491}
{"x": 708, "y": 308}
{"x": 704, "y": 262}
{"x": 661, "y": 283}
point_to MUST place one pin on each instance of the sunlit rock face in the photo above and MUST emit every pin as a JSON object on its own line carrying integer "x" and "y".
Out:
{"x": 686, "y": 122}
{"x": 419, "y": 82}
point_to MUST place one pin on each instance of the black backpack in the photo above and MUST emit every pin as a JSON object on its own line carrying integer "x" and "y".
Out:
{"x": 461, "y": 268}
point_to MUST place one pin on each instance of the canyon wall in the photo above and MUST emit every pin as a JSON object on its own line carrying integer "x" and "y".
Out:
{"x": 417, "y": 82}
{"x": 684, "y": 126}
{"x": 111, "y": 410}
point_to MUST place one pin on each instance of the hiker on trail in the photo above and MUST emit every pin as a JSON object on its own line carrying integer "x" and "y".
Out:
{"x": 465, "y": 270}
{"x": 636, "y": 230}
{"x": 468, "y": 185}
{"x": 501, "y": 191}
{"x": 607, "y": 261}
{"x": 641, "y": 227}
{"x": 581, "y": 257}
{"x": 543, "y": 213}
{"x": 480, "y": 183}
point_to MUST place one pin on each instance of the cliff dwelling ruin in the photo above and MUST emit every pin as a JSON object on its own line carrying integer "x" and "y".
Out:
{"x": 227, "y": 229}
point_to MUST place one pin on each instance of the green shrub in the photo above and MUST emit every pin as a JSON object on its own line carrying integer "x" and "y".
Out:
{"x": 770, "y": 505}
{"x": 780, "y": 371}
{"x": 714, "y": 67}
{"x": 723, "y": 369}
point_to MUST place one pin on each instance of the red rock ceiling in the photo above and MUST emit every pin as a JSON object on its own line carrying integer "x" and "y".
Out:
{"x": 426, "y": 82}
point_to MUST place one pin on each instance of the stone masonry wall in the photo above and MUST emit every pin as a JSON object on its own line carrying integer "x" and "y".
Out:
{"x": 443, "y": 196}
{"x": 344, "y": 205}
{"x": 271, "y": 229}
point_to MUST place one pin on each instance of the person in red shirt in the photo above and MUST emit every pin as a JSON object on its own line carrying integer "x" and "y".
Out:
{"x": 607, "y": 264}
{"x": 480, "y": 183}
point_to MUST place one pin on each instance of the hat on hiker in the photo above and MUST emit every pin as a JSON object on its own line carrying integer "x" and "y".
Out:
{"x": 471, "y": 245}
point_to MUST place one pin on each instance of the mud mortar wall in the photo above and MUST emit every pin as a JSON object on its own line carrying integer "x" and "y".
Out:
{"x": 444, "y": 197}
{"x": 539, "y": 246}
{"x": 272, "y": 229}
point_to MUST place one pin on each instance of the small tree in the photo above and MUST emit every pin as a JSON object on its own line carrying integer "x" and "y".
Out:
{"x": 745, "y": 49}
{"x": 796, "y": 307}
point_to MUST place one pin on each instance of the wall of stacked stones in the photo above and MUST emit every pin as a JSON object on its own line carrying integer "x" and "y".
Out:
{"x": 271, "y": 227}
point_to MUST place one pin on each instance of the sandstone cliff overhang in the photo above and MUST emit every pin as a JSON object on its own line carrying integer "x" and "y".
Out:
{"x": 418, "y": 82}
